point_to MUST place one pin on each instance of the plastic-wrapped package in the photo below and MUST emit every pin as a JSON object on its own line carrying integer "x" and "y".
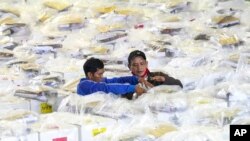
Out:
{"x": 215, "y": 115}
{"x": 235, "y": 94}
{"x": 243, "y": 67}
{"x": 64, "y": 22}
{"x": 197, "y": 133}
{"x": 213, "y": 79}
{"x": 80, "y": 105}
{"x": 164, "y": 102}
{"x": 9, "y": 13}
{"x": 74, "y": 66}
{"x": 7, "y": 86}
{"x": 11, "y": 129}
{"x": 138, "y": 130}
{"x": 111, "y": 36}
{"x": 242, "y": 119}
{"x": 40, "y": 93}
{"x": 9, "y": 102}
{"x": 106, "y": 105}
{"x": 54, "y": 80}
{"x": 15, "y": 29}
{"x": 21, "y": 115}
{"x": 57, "y": 5}
{"x": 164, "y": 89}
{"x": 6, "y": 55}
{"x": 205, "y": 97}
{"x": 71, "y": 85}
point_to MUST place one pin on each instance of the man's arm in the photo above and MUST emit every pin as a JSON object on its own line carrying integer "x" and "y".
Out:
{"x": 172, "y": 81}
{"x": 160, "y": 78}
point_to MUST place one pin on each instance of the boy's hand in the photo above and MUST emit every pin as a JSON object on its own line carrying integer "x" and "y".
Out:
{"x": 139, "y": 90}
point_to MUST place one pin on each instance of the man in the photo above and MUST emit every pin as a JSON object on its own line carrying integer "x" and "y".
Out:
{"x": 138, "y": 66}
{"x": 94, "y": 81}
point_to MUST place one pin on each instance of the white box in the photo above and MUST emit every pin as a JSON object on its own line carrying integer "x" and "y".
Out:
{"x": 40, "y": 107}
{"x": 89, "y": 126}
{"x": 51, "y": 128}
{"x": 92, "y": 126}
{"x": 66, "y": 134}
{"x": 43, "y": 107}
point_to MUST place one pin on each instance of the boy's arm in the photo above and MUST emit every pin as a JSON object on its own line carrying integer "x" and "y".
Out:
{"x": 133, "y": 80}
{"x": 87, "y": 87}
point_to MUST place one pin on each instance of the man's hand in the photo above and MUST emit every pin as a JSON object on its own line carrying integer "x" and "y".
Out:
{"x": 146, "y": 83}
{"x": 158, "y": 78}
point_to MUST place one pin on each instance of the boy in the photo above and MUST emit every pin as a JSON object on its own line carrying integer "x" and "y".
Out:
{"x": 94, "y": 81}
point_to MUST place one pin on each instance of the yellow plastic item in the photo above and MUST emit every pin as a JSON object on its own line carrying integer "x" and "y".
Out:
{"x": 161, "y": 130}
{"x": 29, "y": 66}
{"x": 106, "y": 28}
{"x": 172, "y": 19}
{"x": 106, "y": 9}
{"x": 71, "y": 85}
{"x": 228, "y": 19}
{"x": 100, "y": 49}
{"x": 97, "y": 131}
{"x": 227, "y": 113}
{"x": 57, "y": 5}
{"x": 70, "y": 18}
{"x": 7, "y": 20}
{"x": 172, "y": 3}
{"x": 44, "y": 16}
{"x": 45, "y": 108}
{"x": 13, "y": 11}
{"x": 224, "y": 19}
{"x": 126, "y": 11}
{"x": 234, "y": 57}
{"x": 228, "y": 40}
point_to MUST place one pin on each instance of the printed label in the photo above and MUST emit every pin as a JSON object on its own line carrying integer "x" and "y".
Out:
{"x": 97, "y": 131}
{"x": 45, "y": 108}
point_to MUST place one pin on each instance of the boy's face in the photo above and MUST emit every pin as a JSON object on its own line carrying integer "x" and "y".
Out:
{"x": 138, "y": 66}
{"x": 97, "y": 76}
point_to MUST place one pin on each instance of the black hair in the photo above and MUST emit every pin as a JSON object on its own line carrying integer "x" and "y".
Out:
{"x": 136, "y": 53}
{"x": 92, "y": 65}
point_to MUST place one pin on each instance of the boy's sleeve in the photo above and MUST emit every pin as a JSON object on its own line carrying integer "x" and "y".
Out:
{"x": 133, "y": 80}
{"x": 88, "y": 87}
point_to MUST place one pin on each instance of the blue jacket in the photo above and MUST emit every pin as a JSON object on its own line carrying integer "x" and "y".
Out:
{"x": 117, "y": 86}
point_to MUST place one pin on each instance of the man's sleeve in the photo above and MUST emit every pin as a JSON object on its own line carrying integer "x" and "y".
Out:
{"x": 168, "y": 80}
{"x": 172, "y": 81}
{"x": 88, "y": 87}
{"x": 133, "y": 80}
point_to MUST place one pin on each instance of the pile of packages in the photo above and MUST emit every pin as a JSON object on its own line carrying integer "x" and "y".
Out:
{"x": 43, "y": 45}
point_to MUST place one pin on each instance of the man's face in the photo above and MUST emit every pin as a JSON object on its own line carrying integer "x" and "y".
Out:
{"x": 97, "y": 76}
{"x": 138, "y": 66}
